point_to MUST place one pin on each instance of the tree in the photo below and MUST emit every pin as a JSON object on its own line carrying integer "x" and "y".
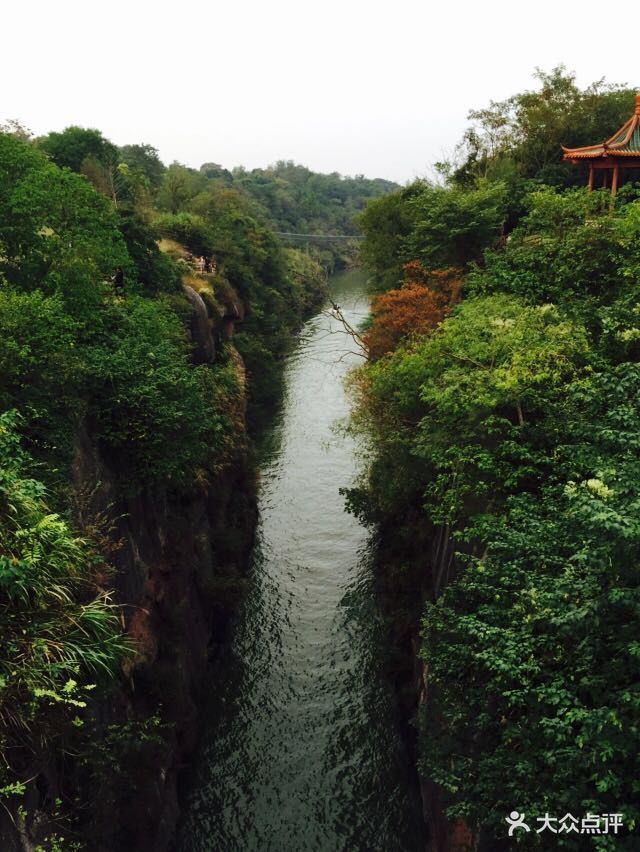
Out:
{"x": 567, "y": 250}
{"x": 447, "y": 412}
{"x": 14, "y": 128}
{"x": 153, "y": 269}
{"x": 163, "y": 420}
{"x": 74, "y": 146}
{"x": 41, "y": 371}
{"x": 413, "y": 310}
{"x": 179, "y": 185}
{"x": 189, "y": 229}
{"x": 503, "y": 471}
{"x": 214, "y": 171}
{"x": 56, "y": 233}
{"x": 386, "y": 223}
{"x": 144, "y": 159}
{"x": 452, "y": 227}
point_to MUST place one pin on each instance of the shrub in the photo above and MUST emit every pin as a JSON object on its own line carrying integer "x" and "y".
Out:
{"x": 188, "y": 229}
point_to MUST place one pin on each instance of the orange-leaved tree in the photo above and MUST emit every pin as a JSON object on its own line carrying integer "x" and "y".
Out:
{"x": 414, "y": 309}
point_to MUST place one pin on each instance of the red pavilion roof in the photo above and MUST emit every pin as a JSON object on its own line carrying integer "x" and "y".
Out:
{"x": 624, "y": 143}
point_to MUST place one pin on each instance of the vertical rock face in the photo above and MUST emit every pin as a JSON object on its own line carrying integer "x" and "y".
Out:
{"x": 180, "y": 563}
{"x": 416, "y": 563}
{"x": 199, "y": 329}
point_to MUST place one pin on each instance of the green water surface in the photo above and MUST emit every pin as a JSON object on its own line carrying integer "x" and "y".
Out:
{"x": 301, "y": 749}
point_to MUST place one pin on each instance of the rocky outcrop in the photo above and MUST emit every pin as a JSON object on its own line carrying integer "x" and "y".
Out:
{"x": 200, "y": 329}
{"x": 233, "y": 313}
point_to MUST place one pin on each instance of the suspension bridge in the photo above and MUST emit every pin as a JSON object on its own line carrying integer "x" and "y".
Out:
{"x": 294, "y": 235}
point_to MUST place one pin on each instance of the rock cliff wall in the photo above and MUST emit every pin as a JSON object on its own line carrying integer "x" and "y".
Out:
{"x": 180, "y": 562}
{"x": 415, "y": 563}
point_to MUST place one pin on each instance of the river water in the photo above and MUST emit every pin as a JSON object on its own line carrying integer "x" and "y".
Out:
{"x": 301, "y": 749}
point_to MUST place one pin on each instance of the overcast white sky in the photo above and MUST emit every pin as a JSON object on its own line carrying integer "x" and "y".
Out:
{"x": 341, "y": 85}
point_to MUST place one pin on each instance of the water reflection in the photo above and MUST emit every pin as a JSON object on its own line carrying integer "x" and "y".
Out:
{"x": 301, "y": 751}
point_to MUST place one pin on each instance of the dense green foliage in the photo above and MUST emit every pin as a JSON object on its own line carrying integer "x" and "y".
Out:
{"x": 300, "y": 200}
{"x": 230, "y": 218}
{"x": 96, "y": 244}
{"x": 79, "y": 354}
{"x": 386, "y": 223}
{"x": 453, "y": 227}
{"x": 276, "y": 286}
{"x": 144, "y": 160}
{"x": 57, "y": 234}
{"x": 71, "y": 350}
{"x": 565, "y": 247}
{"x": 75, "y": 145}
{"x": 512, "y": 431}
{"x": 290, "y": 198}
{"x": 168, "y": 423}
{"x": 542, "y": 630}
{"x": 438, "y": 227}
{"x": 285, "y": 197}
{"x": 58, "y": 633}
{"x": 153, "y": 270}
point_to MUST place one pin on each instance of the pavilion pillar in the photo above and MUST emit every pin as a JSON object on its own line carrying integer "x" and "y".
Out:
{"x": 614, "y": 181}
{"x": 614, "y": 187}
{"x": 590, "y": 177}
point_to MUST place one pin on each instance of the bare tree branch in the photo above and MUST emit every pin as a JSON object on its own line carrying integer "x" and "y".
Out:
{"x": 337, "y": 313}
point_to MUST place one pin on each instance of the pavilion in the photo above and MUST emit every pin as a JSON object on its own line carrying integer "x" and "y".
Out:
{"x": 621, "y": 151}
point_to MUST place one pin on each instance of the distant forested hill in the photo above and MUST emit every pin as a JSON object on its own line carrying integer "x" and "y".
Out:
{"x": 297, "y": 199}
{"x": 284, "y": 197}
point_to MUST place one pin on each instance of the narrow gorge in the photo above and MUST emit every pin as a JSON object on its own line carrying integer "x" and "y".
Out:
{"x": 301, "y": 746}
{"x": 319, "y": 495}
